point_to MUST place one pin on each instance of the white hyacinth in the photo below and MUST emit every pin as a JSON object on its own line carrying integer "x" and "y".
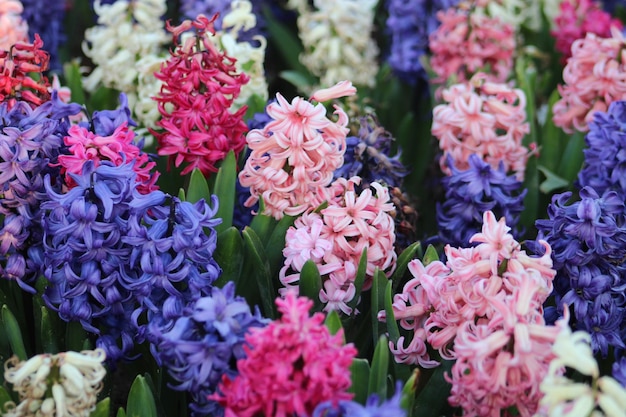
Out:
{"x": 337, "y": 40}
{"x": 518, "y": 13}
{"x": 127, "y": 46}
{"x": 62, "y": 385}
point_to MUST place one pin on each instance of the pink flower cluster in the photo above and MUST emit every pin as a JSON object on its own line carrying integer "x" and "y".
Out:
{"x": 464, "y": 45}
{"x": 335, "y": 239}
{"x": 118, "y": 148}
{"x": 296, "y": 153}
{"x": 484, "y": 118}
{"x": 576, "y": 19}
{"x": 291, "y": 366}
{"x": 483, "y": 308}
{"x": 594, "y": 77}
{"x": 13, "y": 28}
{"x": 200, "y": 84}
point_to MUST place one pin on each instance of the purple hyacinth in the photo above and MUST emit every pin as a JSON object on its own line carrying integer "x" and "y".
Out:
{"x": 372, "y": 408}
{"x": 202, "y": 341}
{"x": 30, "y": 142}
{"x": 46, "y": 18}
{"x": 409, "y": 25}
{"x": 471, "y": 192}
{"x": 605, "y": 156}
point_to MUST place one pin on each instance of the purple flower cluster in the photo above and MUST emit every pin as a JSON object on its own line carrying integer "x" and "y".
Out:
{"x": 470, "y": 193}
{"x": 202, "y": 342}
{"x": 409, "y": 25}
{"x": 372, "y": 408}
{"x": 46, "y": 18}
{"x": 30, "y": 142}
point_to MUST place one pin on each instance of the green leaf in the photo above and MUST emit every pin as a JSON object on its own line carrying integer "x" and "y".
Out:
{"x": 121, "y": 413}
{"x": 379, "y": 369}
{"x": 140, "y": 399}
{"x": 378, "y": 302}
{"x": 258, "y": 266}
{"x": 409, "y": 390}
{"x": 225, "y": 189}
{"x": 311, "y": 284}
{"x": 181, "y": 194}
{"x": 402, "y": 263}
{"x": 431, "y": 255}
{"x": 360, "y": 375}
{"x": 5, "y": 397}
{"x": 392, "y": 325}
{"x": 73, "y": 80}
{"x": 552, "y": 182}
{"x": 198, "y": 187}
{"x": 256, "y": 104}
{"x": 276, "y": 243}
{"x": 13, "y": 333}
{"x": 75, "y": 336}
{"x": 229, "y": 256}
{"x": 573, "y": 157}
{"x": 263, "y": 226}
{"x": 359, "y": 280}
{"x": 433, "y": 397}
{"x": 49, "y": 341}
{"x": 333, "y": 322}
{"x": 302, "y": 82}
{"x": 102, "y": 408}
{"x": 553, "y": 139}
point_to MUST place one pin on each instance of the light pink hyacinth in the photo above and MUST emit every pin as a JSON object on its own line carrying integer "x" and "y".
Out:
{"x": 484, "y": 118}
{"x": 594, "y": 77}
{"x": 464, "y": 45}
{"x": 335, "y": 239}
{"x": 483, "y": 309}
{"x": 13, "y": 28}
{"x": 296, "y": 153}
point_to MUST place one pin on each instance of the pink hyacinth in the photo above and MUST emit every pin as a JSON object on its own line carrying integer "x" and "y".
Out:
{"x": 200, "y": 84}
{"x": 335, "y": 239}
{"x": 290, "y": 367}
{"x": 118, "y": 148}
{"x": 296, "y": 153}
{"x": 483, "y": 309}
{"x": 484, "y": 118}
{"x": 576, "y": 19}
{"x": 464, "y": 45}
{"x": 13, "y": 29}
{"x": 594, "y": 77}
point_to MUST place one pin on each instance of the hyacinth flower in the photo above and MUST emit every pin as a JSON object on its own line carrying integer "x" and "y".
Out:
{"x": 373, "y": 407}
{"x": 520, "y": 14}
{"x": 334, "y": 239}
{"x": 471, "y": 192}
{"x": 13, "y": 26}
{"x": 30, "y": 142}
{"x": 589, "y": 238}
{"x": 296, "y": 153}
{"x": 465, "y": 44}
{"x": 202, "y": 342}
{"x": 200, "y": 83}
{"x": 127, "y": 46}
{"x": 46, "y": 19}
{"x": 290, "y": 366}
{"x": 576, "y": 19}
{"x": 337, "y": 41}
{"x": 483, "y": 118}
{"x": 62, "y": 384}
{"x": 409, "y": 26}
{"x": 483, "y": 309}
{"x": 594, "y": 77}
{"x": 605, "y": 159}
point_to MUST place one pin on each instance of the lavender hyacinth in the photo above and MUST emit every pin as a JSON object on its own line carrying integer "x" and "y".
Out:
{"x": 372, "y": 408}
{"x": 202, "y": 342}
{"x": 471, "y": 192}
{"x": 409, "y": 24}
{"x": 46, "y": 18}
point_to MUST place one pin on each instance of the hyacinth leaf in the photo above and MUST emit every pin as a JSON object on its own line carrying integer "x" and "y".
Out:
{"x": 49, "y": 343}
{"x": 552, "y": 182}
{"x": 409, "y": 390}
{"x": 311, "y": 284}
{"x": 379, "y": 369}
{"x": 225, "y": 188}
{"x": 402, "y": 263}
{"x": 333, "y": 322}
{"x": 431, "y": 255}
{"x": 75, "y": 336}
{"x": 299, "y": 80}
{"x": 5, "y": 397}
{"x": 553, "y": 138}
{"x": 433, "y": 397}
{"x": 256, "y": 104}
{"x": 390, "y": 319}
{"x": 531, "y": 199}
{"x": 14, "y": 334}
{"x": 181, "y": 194}
{"x": 263, "y": 226}
{"x": 198, "y": 187}
{"x": 276, "y": 243}
{"x": 573, "y": 157}
{"x": 359, "y": 280}
{"x": 103, "y": 98}
{"x": 140, "y": 399}
{"x": 121, "y": 413}
{"x": 258, "y": 267}
{"x": 229, "y": 256}
{"x": 360, "y": 375}
{"x": 102, "y": 408}
{"x": 73, "y": 80}
{"x": 526, "y": 75}
{"x": 378, "y": 302}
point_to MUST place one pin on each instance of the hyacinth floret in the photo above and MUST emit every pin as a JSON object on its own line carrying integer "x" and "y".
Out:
{"x": 471, "y": 192}
{"x": 13, "y": 27}
{"x": 202, "y": 342}
{"x": 200, "y": 84}
{"x": 373, "y": 407}
{"x": 290, "y": 366}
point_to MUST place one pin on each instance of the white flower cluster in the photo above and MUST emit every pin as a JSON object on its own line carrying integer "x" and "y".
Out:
{"x": 563, "y": 397}
{"x": 127, "y": 47}
{"x": 62, "y": 385}
{"x": 13, "y": 28}
{"x": 337, "y": 40}
{"x": 518, "y": 13}
{"x": 250, "y": 57}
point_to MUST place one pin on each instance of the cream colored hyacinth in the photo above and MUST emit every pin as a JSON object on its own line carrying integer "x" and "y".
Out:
{"x": 127, "y": 46}
{"x": 336, "y": 39}
{"x": 62, "y": 385}
{"x": 518, "y": 13}
{"x": 563, "y": 397}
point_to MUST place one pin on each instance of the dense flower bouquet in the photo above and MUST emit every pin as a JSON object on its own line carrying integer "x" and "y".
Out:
{"x": 313, "y": 208}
